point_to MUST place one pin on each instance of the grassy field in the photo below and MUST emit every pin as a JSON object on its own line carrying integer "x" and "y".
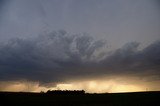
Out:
{"x": 108, "y": 99}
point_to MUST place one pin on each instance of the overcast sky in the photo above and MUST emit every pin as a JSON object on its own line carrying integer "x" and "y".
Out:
{"x": 58, "y": 41}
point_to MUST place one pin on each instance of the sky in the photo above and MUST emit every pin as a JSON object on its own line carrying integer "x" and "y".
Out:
{"x": 95, "y": 45}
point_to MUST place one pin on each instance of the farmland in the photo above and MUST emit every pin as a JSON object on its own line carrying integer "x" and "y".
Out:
{"x": 106, "y": 99}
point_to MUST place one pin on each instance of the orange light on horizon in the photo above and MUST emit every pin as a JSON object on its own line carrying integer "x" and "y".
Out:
{"x": 90, "y": 86}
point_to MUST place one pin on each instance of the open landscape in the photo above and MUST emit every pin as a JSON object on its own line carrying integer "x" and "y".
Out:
{"x": 79, "y": 52}
{"x": 105, "y": 99}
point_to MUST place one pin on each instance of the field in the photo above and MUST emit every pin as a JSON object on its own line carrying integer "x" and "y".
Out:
{"x": 107, "y": 99}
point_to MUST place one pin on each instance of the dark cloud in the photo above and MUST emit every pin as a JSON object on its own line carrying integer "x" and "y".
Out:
{"x": 51, "y": 57}
{"x": 59, "y": 56}
{"x": 129, "y": 59}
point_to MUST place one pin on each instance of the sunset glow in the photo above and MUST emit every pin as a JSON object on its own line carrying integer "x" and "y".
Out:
{"x": 90, "y": 86}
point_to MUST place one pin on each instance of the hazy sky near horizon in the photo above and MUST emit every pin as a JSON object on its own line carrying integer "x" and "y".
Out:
{"x": 58, "y": 41}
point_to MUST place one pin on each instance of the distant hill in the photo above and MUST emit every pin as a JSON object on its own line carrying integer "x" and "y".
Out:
{"x": 66, "y": 92}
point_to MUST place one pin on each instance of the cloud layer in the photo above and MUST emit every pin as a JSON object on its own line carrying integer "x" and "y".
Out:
{"x": 58, "y": 56}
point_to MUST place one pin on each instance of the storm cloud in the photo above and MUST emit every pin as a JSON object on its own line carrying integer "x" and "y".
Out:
{"x": 50, "y": 57}
{"x": 131, "y": 59}
{"x": 59, "y": 56}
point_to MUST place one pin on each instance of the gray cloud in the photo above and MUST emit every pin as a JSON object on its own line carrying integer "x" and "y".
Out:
{"x": 50, "y": 57}
{"x": 59, "y": 56}
{"x": 129, "y": 59}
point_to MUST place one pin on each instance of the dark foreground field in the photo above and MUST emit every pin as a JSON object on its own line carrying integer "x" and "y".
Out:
{"x": 108, "y": 99}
